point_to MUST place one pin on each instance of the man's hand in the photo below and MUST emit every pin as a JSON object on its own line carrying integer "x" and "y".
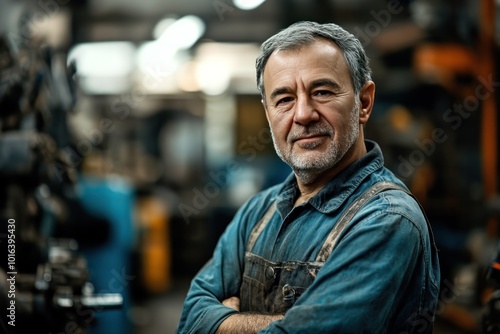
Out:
{"x": 244, "y": 323}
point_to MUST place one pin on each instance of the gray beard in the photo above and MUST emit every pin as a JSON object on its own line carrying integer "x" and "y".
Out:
{"x": 308, "y": 169}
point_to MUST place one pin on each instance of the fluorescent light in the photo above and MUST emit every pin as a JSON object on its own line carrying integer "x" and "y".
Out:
{"x": 247, "y": 4}
{"x": 173, "y": 36}
{"x": 104, "y": 67}
{"x": 183, "y": 33}
{"x": 161, "y": 58}
{"x": 161, "y": 26}
{"x": 104, "y": 59}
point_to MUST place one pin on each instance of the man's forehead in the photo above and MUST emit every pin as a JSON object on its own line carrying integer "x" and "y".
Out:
{"x": 322, "y": 55}
{"x": 320, "y": 48}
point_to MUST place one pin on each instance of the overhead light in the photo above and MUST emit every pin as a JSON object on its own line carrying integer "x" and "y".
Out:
{"x": 162, "y": 56}
{"x": 162, "y": 25}
{"x": 103, "y": 67}
{"x": 103, "y": 58}
{"x": 183, "y": 33}
{"x": 247, "y": 4}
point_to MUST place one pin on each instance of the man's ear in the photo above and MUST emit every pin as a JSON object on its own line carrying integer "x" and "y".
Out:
{"x": 367, "y": 98}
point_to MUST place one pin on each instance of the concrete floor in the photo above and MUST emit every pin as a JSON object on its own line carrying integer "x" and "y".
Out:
{"x": 161, "y": 314}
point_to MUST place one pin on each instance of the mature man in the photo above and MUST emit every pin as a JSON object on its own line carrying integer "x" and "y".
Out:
{"x": 340, "y": 246}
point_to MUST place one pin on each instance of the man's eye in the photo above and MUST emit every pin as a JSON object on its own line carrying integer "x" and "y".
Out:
{"x": 322, "y": 93}
{"x": 284, "y": 100}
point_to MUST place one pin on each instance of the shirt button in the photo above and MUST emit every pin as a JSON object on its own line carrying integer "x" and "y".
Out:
{"x": 270, "y": 272}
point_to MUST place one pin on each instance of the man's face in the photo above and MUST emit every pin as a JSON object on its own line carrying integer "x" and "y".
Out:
{"x": 311, "y": 106}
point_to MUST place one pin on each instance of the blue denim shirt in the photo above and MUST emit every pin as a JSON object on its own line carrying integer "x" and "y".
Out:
{"x": 382, "y": 276}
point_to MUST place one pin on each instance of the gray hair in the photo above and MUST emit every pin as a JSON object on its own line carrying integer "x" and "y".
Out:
{"x": 305, "y": 33}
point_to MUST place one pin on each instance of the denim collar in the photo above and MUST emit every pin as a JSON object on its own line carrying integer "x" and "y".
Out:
{"x": 341, "y": 187}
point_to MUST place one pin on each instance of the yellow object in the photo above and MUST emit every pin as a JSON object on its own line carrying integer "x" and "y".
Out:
{"x": 156, "y": 248}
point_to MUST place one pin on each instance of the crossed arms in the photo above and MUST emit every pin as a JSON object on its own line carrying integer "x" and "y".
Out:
{"x": 366, "y": 282}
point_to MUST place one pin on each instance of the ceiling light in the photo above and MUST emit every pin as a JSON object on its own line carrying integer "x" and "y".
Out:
{"x": 103, "y": 67}
{"x": 183, "y": 33}
{"x": 247, "y": 4}
{"x": 161, "y": 26}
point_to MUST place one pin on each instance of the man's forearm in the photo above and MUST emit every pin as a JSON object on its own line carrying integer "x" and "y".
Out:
{"x": 247, "y": 323}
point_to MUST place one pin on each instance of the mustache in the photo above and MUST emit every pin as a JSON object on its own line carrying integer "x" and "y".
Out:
{"x": 308, "y": 131}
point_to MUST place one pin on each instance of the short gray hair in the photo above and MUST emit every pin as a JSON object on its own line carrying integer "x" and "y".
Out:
{"x": 305, "y": 33}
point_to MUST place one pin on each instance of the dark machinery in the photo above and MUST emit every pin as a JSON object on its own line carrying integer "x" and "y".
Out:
{"x": 44, "y": 282}
{"x": 491, "y": 319}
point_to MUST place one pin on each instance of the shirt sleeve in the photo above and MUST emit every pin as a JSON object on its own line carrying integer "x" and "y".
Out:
{"x": 219, "y": 279}
{"x": 358, "y": 288}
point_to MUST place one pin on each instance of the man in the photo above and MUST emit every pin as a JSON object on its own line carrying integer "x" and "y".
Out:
{"x": 289, "y": 262}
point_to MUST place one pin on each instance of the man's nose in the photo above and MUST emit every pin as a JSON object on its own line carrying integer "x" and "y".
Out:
{"x": 305, "y": 111}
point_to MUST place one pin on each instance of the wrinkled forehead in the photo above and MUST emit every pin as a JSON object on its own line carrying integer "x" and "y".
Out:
{"x": 321, "y": 54}
{"x": 297, "y": 47}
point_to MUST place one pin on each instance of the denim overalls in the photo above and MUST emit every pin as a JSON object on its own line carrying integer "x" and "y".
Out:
{"x": 273, "y": 287}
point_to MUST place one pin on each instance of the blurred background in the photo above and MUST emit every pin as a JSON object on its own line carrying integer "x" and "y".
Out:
{"x": 131, "y": 132}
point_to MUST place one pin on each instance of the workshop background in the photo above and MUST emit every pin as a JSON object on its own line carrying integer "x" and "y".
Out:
{"x": 131, "y": 131}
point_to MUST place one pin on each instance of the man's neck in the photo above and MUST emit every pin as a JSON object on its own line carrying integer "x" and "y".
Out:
{"x": 308, "y": 189}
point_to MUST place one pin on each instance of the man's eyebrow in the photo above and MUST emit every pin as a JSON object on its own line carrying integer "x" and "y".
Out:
{"x": 325, "y": 82}
{"x": 316, "y": 83}
{"x": 279, "y": 91}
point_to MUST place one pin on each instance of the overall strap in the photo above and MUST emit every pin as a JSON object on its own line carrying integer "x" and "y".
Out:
{"x": 259, "y": 227}
{"x": 348, "y": 214}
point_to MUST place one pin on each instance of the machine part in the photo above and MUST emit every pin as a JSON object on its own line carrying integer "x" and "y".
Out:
{"x": 491, "y": 318}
